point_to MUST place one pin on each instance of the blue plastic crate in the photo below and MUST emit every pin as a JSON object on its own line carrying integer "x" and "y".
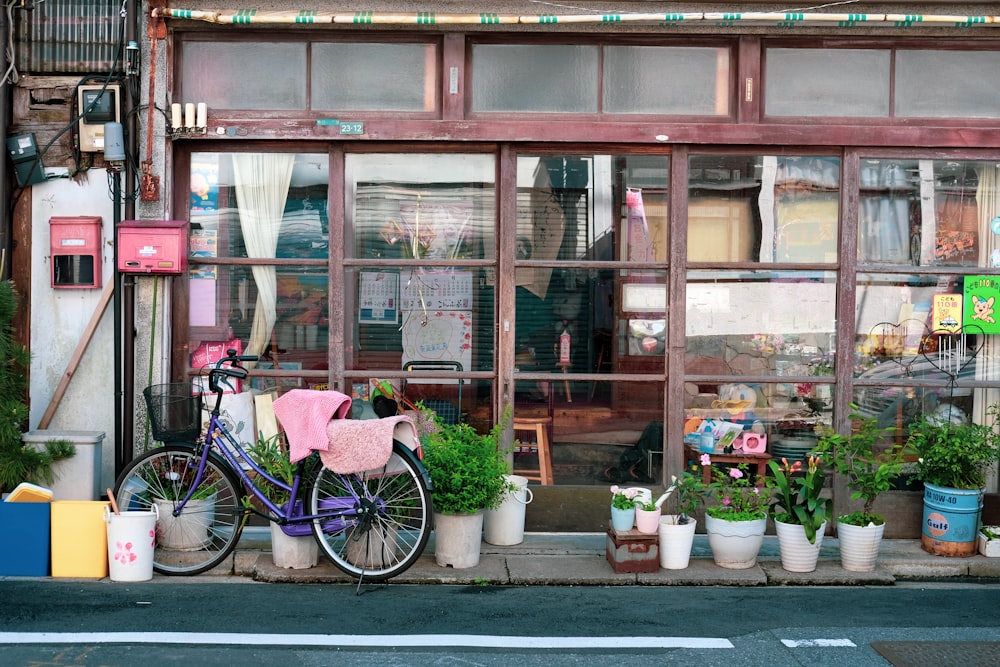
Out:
{"x": 25, "y": 549}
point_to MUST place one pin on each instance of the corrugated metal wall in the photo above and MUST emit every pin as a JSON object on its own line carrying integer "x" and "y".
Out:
{"x": 68, "y": 36}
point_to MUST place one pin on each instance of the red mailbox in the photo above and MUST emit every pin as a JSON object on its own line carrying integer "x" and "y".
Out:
{"x": 75, "y": 243}
{"x": 152, "y": 246}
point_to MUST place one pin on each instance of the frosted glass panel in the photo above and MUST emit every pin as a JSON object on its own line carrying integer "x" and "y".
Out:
{"x": 520, "y": 77}
{"x": 826, "y": 82}
{"x": 237, "y": 75}
{"x": 946, "y": 84}
{"x": 399, "y": 77}
{"x": 666, "y": 80}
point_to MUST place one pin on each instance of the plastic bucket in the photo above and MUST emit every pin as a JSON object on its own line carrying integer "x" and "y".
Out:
{"x": 951, "y": 520}
{"x": 131, "y": 539}
{"x": 504, "y": 526}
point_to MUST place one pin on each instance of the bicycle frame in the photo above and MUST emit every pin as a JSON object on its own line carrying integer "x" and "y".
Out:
{"x": 342, "y": 510}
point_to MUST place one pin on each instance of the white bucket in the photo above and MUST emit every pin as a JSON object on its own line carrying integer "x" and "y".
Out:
{"x": 504, "y": 526}
{"x": 131, "y": 539}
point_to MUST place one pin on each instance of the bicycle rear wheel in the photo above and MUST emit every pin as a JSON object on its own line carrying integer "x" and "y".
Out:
{"x": 387, "y": 516}
{"x": 208, "y": 527}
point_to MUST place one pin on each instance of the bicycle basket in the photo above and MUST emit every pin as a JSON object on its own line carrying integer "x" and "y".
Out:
{"x": 174, "y": 413}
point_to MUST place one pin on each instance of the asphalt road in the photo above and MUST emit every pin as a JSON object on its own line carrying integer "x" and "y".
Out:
{"x": 199, "y": 623}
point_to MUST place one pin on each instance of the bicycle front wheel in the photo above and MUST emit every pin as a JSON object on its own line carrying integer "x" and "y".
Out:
{"x": 206, "y": 529}
{"x": 385, "y": 516}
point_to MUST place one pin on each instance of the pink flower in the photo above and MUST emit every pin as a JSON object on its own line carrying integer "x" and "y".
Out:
{"x": 726, "y": 501}
{"x": 706, "y": 460}
{"x": 735, "y": 473}
{"x": 614, "y": 488}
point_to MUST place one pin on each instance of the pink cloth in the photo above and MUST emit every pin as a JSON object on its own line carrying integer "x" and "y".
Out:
{"x": 304, "y": 414}
{"x": 364, "y": 444}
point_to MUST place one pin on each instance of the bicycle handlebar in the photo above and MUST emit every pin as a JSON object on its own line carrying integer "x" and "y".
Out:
{"x": 228, "y": 366}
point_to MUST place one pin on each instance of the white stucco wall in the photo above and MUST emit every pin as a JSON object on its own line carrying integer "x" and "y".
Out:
{"x": 59, "y": 318}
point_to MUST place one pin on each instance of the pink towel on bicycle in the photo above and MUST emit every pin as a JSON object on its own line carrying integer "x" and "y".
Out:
{"x": 365, "y": 444}
{"x": 304, "y": 414}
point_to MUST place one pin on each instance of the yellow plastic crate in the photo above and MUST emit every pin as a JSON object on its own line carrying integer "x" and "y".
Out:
{"x": 26, "y": 492}
{"x": 79, "y": 539}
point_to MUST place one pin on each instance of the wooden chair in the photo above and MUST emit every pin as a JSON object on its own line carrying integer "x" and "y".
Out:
{"x": 531, "y": 436}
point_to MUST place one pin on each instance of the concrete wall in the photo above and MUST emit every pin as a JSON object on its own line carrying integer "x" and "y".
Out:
{"x": 59, "y": 318}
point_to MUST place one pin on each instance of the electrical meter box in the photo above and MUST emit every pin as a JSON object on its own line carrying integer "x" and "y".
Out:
{"x": 75, "y": 243}
{"x": 98, "y": 105}
{"x": 152, "y": 246}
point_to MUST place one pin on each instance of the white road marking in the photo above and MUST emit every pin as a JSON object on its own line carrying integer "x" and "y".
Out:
{"x": 472, "y": 641}
{"x": 809, "y": 643}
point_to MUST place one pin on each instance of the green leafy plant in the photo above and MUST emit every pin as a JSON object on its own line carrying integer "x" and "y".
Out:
{"x": 467, "y": 468}
{"x": 800, "y": 497}
{"x": 685, "y": 495}
{"x": 863, "y": 458}
{"x": 20, "y": 462}
{"x": 271, "y": 455}
{"x": 955, "y": 455}
{"x": 734, "y": 496}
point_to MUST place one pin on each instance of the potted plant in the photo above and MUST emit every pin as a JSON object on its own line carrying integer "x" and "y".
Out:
{"x": 468, "y": 472}
{"x": 288, "y": 549}
{"x": 871, "y": 466}
{"x": 684, "y": 496}
{"x": 20, "y": 462}
{"x": 735, "y": 516}
{"x": 800, "y": 512}
{"x": 623, "y": 504}
{"x": 989, "y": 541}
{"x": 952, "y": 459}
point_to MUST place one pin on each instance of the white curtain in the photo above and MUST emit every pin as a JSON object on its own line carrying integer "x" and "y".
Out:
{"x": 988, "y": 366}
{"x": 262, "y": 181}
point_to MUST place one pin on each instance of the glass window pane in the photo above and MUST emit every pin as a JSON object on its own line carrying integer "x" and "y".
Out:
{"x": 226, "y": 302}
{"x": 826, "y": 82}
{"x": 244, "y": 75}
{"x": 666, "y": 80}
{"x": 763, "y": 208}
{"x": 226, "y": 209}
{"x": 261, "y": 206}
{"x": 421, "y": 315}
{"x": 433, "y": 207}
{"x": 534, "y": 78}
{"x": 947, "y": 84}
{"x": 775, "y": 323}
{"x": 359, "y": 75}
{"x": 929, "y": 212}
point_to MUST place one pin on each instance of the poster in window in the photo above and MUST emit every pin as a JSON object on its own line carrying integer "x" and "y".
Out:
{"x": 379, "y": 298}
{"x": 204, "y": 186}
{"x": 982, "y": 299}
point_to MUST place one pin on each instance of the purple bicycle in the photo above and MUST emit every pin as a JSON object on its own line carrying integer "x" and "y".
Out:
{"x": 372, "y": 525}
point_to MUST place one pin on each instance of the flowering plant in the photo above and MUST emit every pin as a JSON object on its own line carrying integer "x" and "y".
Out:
{"x": 800, "y": 497}
{"x": 736, "y": 498}
{"x": 623, "y": 499}
{"x": 685, "y": 494}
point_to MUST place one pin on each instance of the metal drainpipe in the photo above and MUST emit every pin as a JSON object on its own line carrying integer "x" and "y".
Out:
{"x": 5, "y": 221}
{"x": 127, "y": 368}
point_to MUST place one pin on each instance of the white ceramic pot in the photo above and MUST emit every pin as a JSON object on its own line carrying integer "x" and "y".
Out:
{"x": 295, "y": 553}
{"x": 458, "y": 539}
{"x": 797, "y": 553}
{"x": 859, "y": 546}
{"x": 376, "y": 548}
{"x": 187, "y": 532}
{"x": 676, "y": 540}
{"x": 735, "y": 544}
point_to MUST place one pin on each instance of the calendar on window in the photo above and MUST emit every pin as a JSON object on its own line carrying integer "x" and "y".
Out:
{"x": 379, "y": 298}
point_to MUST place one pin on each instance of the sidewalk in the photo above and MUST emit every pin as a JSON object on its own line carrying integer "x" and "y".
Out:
{"x": 578, "y": 559}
